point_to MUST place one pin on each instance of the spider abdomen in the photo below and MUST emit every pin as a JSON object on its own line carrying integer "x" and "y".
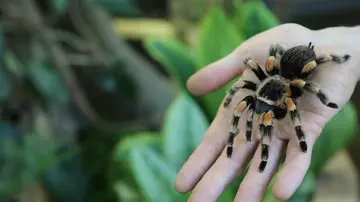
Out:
{"x": 294, "y": 60}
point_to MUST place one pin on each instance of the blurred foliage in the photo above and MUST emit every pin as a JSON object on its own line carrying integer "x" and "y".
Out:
{"x": 47, "y": 81}
{"x": 183, "y": 112}
{"x": 5, "y": 82}
{"x": 57, "y": 80}
{"x": 175, "y": 58}
{"x": 66, "y": 181}
{"x": 253, "y": 17}
{"x": 344, "y": 123}
{"x": 59, "y": 6}
{"x": 121, "y": 7}
{"x": 219, "y": 34}
{"x": 217, "y": 38}
{"x": 304, "y": 193}
{"x": 22, "y": 160}
{"x": 156, "y": 158}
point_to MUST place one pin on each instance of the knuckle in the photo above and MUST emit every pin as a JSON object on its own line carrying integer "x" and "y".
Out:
{"x": 292, "y": 27}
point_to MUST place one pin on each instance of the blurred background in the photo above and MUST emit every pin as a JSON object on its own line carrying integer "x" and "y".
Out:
{"x": 93, "y": 103}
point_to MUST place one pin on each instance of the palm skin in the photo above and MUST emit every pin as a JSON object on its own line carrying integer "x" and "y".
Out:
{"x": 208, "y": 170}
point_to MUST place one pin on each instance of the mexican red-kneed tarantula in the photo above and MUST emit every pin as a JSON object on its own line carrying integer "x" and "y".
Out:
{"x": 278, "y": 92}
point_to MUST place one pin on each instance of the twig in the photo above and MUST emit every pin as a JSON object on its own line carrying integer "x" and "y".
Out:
{"x": 74, "y": 41}
{"x": 155, "y": 91}
{"x": 83, "y": 60}
{"x": 85, "y": 30}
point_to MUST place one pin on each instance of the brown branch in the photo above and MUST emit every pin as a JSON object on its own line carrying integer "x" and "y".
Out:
{"x": 155, "y": 91}
{"x": 85, "y": 30}
{"x": 83, "y": 60}
{"x": 74, "y": 41}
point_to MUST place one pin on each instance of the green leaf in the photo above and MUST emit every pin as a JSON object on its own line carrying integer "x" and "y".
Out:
{"x": 120, "y": 7}
{"x": 137, "y": 140}
{"x": 227, "y": 196}
{"x": 236, "y": 183}
{"x": 304, "y": 192}
{"x": 126, "y": 193}
{"x": 306, "y": 189}
{"x": 13, "y": 175}
{"x": 47, "y": 81}
{"x": 254, "y": 17}
{"x": 238, "y": 17}
{"x": 22, "y": 164}
{"x": 14, "y": 65}
{"x": 5, "y": 83}
{"x": 154, "y": 175}
{"x": 174, "y": 56}
{"x": 62, "y": 171}
{"x": 336, "y": 135}
{"x": 67, "y": 181}
{"x": 60, "y": 6}
{"x": 218, "y": 37}
{"x": 13, "y": 166}
{"x": 184, "y": 127}
{"x": 8, "y": 130}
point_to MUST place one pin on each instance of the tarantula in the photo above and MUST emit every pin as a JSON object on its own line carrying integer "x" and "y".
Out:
{"x": 278, "y": 92}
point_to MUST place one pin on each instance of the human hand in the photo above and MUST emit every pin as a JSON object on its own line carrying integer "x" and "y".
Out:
{"x": 209, "y": 171}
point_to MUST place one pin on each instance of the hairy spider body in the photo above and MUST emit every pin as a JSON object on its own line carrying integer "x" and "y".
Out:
{"x": 277, "y": 93}
{"x": 271, "y": 95}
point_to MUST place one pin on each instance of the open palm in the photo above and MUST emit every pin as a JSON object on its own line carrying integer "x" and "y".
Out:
{"x": 209, "y": 171}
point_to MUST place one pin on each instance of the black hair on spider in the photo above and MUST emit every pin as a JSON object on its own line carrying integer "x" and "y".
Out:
{"x": 277, "y": 93}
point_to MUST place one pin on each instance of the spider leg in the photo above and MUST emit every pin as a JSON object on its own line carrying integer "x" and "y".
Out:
{"x": 237, "y": 86}
{"x": 272, "y": 65}
{"x": 308, "y": 69}
{"x": 266, "y": 126}
{"x": 311, "y": 66}
{"x": 295, "y": 118}
{"x": 315, "y": 90}
{"x": 244, "y": 103}
{"x": 332, "y": 58}
{"x": 255, "y": 67}
{"x": 311, "y": 46}
{"x": 249, "y": 121}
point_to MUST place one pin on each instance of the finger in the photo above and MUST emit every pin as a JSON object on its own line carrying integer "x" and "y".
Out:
{"x": 214, "y": 141}
{"x": 216, "y": 74}
{"x": 294, "y": 168}
{"x": 204, "y": 155}
{"x": 253, "y": 187}
{"x": 224, "y": 171}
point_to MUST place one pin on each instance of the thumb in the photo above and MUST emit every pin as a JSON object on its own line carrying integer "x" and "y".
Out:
{"x": 215, "y": 75}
